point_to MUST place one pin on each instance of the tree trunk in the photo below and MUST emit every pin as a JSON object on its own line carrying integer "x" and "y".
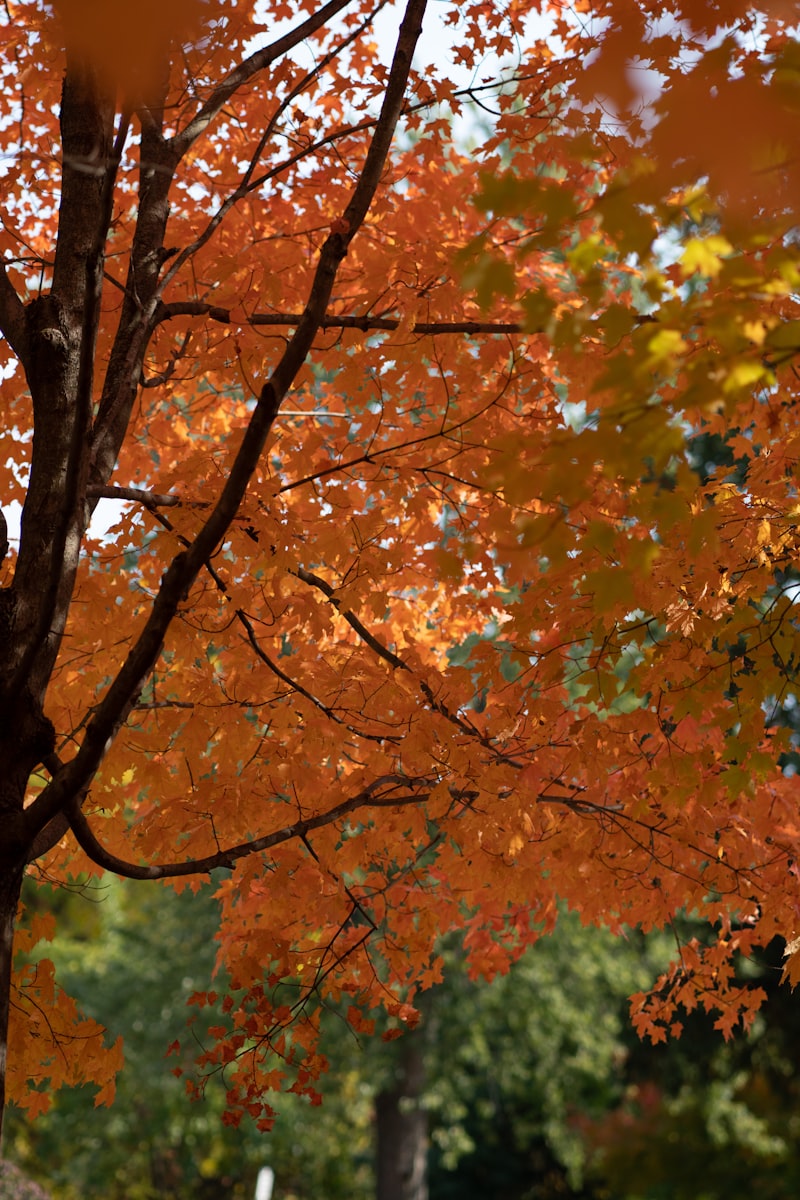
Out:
{"x": 402, "y": 1127}
{"x": 10, "y": 884}
{"x": 54, "y": 336}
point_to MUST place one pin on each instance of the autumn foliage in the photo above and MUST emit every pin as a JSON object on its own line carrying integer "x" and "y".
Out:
{"x": 423, "y": 610}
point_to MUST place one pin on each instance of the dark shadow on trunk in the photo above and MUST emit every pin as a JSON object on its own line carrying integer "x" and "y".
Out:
{"x": 401, "y": 1125}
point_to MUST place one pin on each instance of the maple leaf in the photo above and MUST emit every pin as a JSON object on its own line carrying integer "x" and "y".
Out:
{"x": 791, "y": 967}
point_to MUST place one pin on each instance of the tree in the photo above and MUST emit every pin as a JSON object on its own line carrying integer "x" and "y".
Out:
{"x": 418, "y": 615}
{"x": 509, "y": 1065}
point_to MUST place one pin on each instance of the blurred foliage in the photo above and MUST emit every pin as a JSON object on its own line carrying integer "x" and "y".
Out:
{"x": 704, "y": 1119}
{"x": 132, "y": 954}
{"x": 514, "y": 1061}
{"x": 536, "y": 1086}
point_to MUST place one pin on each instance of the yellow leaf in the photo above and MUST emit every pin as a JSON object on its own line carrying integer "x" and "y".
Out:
{"x": 704, "y": 255}
{"x": 664, "y": 346}
{"x": 743, "y": 375}
{"x": 756, "y": 331}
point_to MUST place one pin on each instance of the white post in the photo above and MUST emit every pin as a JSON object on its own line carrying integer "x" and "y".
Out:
{"x": 266, "y": 1178}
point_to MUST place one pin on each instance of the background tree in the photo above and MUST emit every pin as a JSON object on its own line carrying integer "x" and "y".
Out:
{"x": 508, "y": 1065}
{"x": 533, "y": 1081}
{"x": 419, "y": 615}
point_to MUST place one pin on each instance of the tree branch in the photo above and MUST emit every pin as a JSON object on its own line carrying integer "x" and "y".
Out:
{"x": 247, "y": 183}
{"x": 48, "y": 837}
{"x": 112, "y": 711}
{"x": 107, "y": 491}
{"x": 157, "y": 164}
{"x": 352, "y": 620}
{"x": 366, "y": 798}
{"x": 397, "y": 663}
{"x": 297, "y": 687}
{"x": 365, "y": 323}
{"x": 12, "y": 318}
{"x": 251, "y": 66}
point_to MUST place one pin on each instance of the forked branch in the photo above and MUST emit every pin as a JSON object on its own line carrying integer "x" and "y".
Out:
{"x": 246, "y": 70}
{"x": 124, "y": 691}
